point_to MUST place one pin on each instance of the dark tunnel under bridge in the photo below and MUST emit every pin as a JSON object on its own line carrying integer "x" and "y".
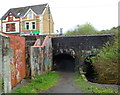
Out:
{"x": 64, "y": 62}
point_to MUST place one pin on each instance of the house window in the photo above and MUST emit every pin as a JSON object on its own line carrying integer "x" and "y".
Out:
{"x": 33, "y": 25}
{"x": 27, "y": 25}
{"x": 10, "y": 18}
{"x": 10, "y": 27}
{"x": 7, "y": 27}
{"x": 30, "y": 15}
{"x": 30, "y": 25}
{"x": 13, "y": 27}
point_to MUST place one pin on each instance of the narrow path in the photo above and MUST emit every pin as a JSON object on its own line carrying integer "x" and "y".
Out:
{"x": 66, "y": 84}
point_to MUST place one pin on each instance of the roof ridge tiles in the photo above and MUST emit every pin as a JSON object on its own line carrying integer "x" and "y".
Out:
{"x": 38, "y": 9}
{"x": 30, "y": 6}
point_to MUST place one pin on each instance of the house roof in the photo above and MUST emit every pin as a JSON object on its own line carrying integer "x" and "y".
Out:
{"x": 19, "y": 12}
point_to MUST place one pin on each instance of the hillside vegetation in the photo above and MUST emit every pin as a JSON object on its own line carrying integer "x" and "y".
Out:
{"x": 85, "y": 29}
{"x": 89, "y": 29}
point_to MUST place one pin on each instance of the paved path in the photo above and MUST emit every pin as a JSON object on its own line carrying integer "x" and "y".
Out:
{"x": 65, "y": 84}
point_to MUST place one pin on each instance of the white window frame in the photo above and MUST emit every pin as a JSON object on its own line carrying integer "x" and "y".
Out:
{"x": 28, "y": 16}
{"x": 30, "y": 25}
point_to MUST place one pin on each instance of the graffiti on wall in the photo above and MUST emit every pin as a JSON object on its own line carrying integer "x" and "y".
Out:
{"x": 17, "y": 59}
{"x": 36, "y": 61}
{"x": 48, "y": 55}
{"x": 12, "y": 61}
{"x": 41, "y": 57}
{"x": 6, "y": 65}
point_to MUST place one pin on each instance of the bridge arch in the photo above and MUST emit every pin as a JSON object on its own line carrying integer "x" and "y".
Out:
{"x": 89, "y": 68}
{"x": 64, "y": 62}
{"x": 65, "y": 51}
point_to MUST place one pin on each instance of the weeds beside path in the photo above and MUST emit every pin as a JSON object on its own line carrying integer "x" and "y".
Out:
{"x": 88, "y": 87}
{"x": 40, "y": 82}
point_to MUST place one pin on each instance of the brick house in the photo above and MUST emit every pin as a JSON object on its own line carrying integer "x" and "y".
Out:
{"x": 29, "y": 20}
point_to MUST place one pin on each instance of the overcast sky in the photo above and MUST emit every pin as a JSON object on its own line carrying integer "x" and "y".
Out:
{"x": 102, "y": 14}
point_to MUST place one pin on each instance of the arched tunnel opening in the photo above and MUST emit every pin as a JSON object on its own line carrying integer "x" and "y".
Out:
{"x": 89, "y": 69}
{"x": 64, "y": 62}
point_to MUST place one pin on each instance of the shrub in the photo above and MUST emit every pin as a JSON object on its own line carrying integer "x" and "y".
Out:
{"x": 106, "y": 63}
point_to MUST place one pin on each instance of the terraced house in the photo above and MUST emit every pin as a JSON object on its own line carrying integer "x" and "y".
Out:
{"x": 29, "y": 20}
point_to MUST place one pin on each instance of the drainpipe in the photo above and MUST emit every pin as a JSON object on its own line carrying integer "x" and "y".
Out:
{"x": 61, "y": 31}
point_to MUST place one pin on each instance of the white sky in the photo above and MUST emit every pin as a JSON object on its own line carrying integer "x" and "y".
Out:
{"x": 102, "y": 14}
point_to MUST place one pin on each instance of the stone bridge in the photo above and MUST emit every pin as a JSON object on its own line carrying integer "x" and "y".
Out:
{"x": 76, "y": 49}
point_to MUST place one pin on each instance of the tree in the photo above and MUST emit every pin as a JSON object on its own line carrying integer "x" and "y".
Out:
{"x": 85, "y": 29}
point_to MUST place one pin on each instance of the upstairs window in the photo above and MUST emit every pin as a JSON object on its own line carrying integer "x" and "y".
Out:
{"x": 33, "y": 25}
{"x": 10, "y": 18}
{"x": 10, "y": 27}
{"x": 30, "y": 15}
{"x": 7, "y": 27}
{"x": 13, "y": 27}
{"x": 27, "y": 25}
{"x": 30, "y": 25}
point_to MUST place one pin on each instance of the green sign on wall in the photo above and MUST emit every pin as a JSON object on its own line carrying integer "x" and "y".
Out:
{"x": 31, "y": 32}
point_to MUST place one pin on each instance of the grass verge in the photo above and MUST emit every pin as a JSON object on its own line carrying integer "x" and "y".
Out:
{"x": 91, "y": 88}
{"x": 40, "y": 82}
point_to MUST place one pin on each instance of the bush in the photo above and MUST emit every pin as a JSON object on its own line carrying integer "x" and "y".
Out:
{"x": 106, "y": 63}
